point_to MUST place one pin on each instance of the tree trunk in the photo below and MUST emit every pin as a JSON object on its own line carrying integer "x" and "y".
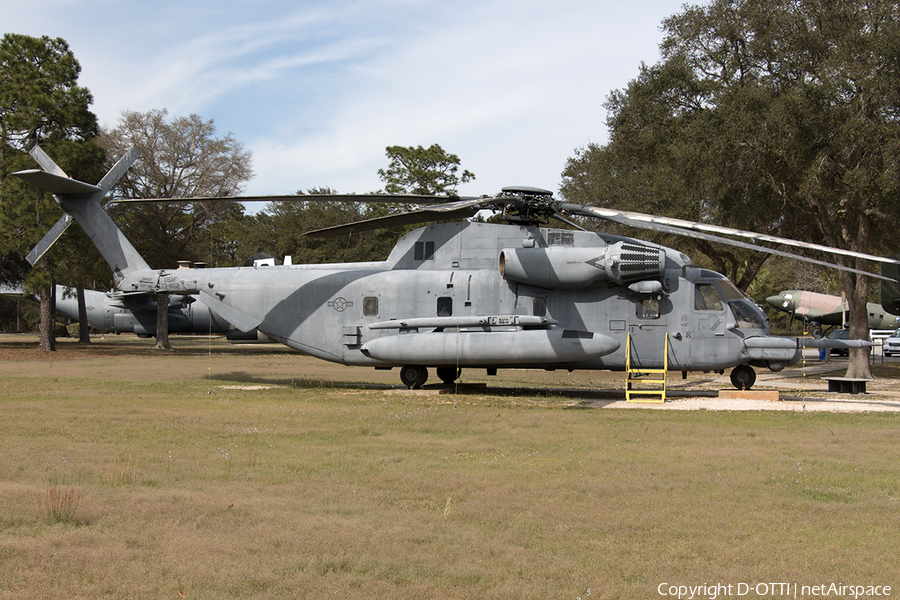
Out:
{"x": 48, "y": 320}
{"x": 162, "y": 322}
{"x": 858, "y": 366}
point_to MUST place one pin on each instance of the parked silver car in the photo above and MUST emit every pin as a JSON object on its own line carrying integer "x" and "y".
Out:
{"x": 892, "y": 344}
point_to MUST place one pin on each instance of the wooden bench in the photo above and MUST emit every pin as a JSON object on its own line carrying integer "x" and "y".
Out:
{"x": 846, "y": 385}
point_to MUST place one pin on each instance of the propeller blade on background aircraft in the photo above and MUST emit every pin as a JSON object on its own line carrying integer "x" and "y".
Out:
{"x": 651, "y": 224}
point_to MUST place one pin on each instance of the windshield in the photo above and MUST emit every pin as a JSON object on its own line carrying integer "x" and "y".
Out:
{"x": 747, "y": 315}
{"x": 730, "y": 291}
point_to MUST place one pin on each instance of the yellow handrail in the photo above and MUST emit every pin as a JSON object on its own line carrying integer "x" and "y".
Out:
{"x": 661, "y": 392}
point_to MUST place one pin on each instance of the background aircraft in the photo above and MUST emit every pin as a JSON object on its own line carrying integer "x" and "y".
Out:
{"x": 828, "y": 310}
{"x": 119, "y": 312}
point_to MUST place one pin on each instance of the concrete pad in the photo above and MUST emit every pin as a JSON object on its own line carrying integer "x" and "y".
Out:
{"x": 771, "y": 395}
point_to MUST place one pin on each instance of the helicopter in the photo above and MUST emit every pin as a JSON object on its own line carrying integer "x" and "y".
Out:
{"x": 462, "y": 294}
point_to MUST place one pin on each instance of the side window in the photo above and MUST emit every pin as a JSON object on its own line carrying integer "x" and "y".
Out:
{"x": 424, "y": 251}
{"x": 539, "y": 307}
{"x": 560, "y": 238}
{"x": 648, "y": 309}
{"x": 370, "y": 306}
{"x": 445, "y": 306}
{"x": 706, "y": 297}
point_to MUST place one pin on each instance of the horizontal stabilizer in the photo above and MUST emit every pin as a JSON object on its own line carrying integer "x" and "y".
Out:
{"x": 56, "y": 184}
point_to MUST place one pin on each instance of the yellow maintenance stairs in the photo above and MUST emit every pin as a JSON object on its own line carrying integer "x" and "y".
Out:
{"x": 636, "y": 375}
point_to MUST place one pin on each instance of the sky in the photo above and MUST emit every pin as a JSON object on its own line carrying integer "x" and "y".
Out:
{"x": 317, "y": 90}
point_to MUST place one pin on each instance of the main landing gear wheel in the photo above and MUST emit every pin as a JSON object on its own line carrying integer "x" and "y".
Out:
{"x": 448, "y": 374}
{"x": 743, "y": 377}
{"x": 413, "y": 376}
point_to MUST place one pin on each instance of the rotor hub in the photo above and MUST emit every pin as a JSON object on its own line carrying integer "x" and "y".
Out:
{"x": 528, "y": 205}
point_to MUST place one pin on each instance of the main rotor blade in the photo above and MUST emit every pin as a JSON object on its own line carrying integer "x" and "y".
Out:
{"x": 692, "y": 228}
{"x": 388, "y": 198}
{"x": 618, "y": 217}
{"x": 429, "y": 214}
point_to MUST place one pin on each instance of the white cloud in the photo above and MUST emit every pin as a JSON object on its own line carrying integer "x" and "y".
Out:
{"x": 317, "y": 90}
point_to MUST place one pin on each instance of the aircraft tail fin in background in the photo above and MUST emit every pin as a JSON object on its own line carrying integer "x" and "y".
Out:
{"x": 81, "y": 202}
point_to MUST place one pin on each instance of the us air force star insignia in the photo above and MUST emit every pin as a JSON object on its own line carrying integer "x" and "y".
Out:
{"x": 340, "y": 304}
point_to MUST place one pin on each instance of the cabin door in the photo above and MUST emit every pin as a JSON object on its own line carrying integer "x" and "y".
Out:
{"x": 648, "y": 326}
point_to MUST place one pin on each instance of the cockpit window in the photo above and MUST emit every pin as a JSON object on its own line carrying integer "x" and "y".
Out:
{"x": 730, "y": 291}
{"x": 706, "y": 297}
{"x": 746, "y": 315}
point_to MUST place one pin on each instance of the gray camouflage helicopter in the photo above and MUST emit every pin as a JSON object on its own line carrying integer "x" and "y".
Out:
{"x": 475, "y": 295}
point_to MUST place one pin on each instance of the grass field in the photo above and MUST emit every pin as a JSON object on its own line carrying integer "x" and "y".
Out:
{"x": 215, "y": 472}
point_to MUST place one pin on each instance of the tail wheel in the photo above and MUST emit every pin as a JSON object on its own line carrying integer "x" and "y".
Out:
{"x": 448, "y": 374}
{"x": 413, "y": 376}
{"x": 743, "y": 377}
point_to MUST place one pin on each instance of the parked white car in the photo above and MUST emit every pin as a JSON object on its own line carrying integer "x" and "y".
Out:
{"x": 892, "y": 344}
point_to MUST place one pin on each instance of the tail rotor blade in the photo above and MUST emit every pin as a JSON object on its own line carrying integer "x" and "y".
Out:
{"x": 119, "y": 169}
{"x": 49, "y": 239}
{"x": 45, "y": 161}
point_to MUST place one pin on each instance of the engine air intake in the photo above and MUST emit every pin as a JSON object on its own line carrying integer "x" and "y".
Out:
{"x": 567, "y": 268}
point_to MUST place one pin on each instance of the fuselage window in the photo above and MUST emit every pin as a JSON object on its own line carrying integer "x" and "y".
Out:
{"x": 539, "y": 307}
{"x": 424, "y": 251}
{"x": 370, "y": 306}
{"x": 706, "y": 297}
{"x": 445, "y": 306}
{"x": 648, "y": 309}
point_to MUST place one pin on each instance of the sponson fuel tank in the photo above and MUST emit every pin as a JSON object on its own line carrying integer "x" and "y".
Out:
{"x": 566, "y": 268}
{"x": 464, "y": 348}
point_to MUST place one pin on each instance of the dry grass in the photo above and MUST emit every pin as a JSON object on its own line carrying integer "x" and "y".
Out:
{"x": 311, "y": 484}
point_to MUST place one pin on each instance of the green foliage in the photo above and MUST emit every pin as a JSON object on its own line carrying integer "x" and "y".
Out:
{"x": 39, "y": 97}
{"x": 430, "y": 171}
{"x": 41, "y": 103}
{"x": 280, "y": 227}
{"x": 775, "y": 116}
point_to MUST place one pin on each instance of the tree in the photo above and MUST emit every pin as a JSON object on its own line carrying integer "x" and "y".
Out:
{"x": 40, "y": 102}
{"x": 180, "y": 158}
{"x": 430, "y": 171}
{"x": 781, "y": 116}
